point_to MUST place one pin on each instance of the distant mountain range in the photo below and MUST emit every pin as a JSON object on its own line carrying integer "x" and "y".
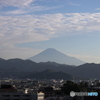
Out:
{"x": 27, "y": 68}
{"x": 53, "y": 55}
{"x": 18, "y": 68}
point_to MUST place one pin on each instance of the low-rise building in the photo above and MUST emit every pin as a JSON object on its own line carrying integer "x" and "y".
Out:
{"x": 8, "y": 92}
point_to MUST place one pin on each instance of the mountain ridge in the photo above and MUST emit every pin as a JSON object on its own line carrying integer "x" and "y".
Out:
{"x": 88, "y": 70}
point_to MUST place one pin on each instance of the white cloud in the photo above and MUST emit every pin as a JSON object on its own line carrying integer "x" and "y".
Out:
{"x": 29, "y": 10}
{"x": 23, "y": 7}
{"x": 19, "y": 30}
{"x": 16, "y": 3}
{"x": 18, "y": 11}
{"x": 73, "y": 4}
{"x": 30, "y": 28}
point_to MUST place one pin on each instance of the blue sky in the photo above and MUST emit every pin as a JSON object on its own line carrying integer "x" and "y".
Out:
{"x": 28, "y": 27}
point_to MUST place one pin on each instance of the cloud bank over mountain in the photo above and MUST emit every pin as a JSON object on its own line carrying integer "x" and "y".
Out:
{"x": 30, "y": 28}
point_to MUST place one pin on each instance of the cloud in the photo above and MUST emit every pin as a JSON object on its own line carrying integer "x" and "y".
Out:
{"x": 29, "y": 10}
{"x": 15, "y": 12}
{"x": 16, "y": 3}
{"x": 73, "y": 4}
{"x": 30, "y": 28}
{"x": 23, "y": 7}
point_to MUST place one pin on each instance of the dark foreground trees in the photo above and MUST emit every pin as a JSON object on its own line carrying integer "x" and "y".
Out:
{"x": 77, "y": 87}
{"x": 70, "y": 86}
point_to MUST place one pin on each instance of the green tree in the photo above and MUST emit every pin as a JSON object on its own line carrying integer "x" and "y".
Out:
{"x": 70, "y": 86}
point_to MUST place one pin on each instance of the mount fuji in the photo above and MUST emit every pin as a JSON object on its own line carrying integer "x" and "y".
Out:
{"x": 54, "y": 55}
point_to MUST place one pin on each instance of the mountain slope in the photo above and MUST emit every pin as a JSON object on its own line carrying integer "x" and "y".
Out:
{"x": 55, "y": 56}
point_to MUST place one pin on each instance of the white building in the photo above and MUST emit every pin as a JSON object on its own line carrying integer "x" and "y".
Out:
{"x": 21, "y": 96}
{"x": 8, "y": 92}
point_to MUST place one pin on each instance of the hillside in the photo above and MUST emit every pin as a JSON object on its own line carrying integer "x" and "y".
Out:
{"x": 17, "y": 66}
